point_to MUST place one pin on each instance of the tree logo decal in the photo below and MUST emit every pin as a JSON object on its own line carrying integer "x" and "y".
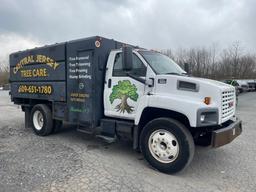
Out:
{"x": 124, "y": 90}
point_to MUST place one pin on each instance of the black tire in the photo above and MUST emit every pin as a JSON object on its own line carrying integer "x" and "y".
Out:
{"x": 184, "y": 140}
{"x": 46, "y": 116}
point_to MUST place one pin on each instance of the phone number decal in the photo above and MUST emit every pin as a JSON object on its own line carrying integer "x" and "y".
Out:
{"x": 36, "y": 89}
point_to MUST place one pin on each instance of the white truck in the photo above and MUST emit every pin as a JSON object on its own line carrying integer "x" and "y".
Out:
{"x": 117, "y": 91}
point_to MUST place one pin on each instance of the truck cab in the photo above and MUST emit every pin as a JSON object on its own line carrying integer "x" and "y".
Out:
{"x": 112, "y": 90}
{"x": 155, "y": 93}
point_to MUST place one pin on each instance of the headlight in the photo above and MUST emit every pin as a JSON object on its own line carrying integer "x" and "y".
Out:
{"x": 202, "y": 118}
{"x": 207, "y": 117}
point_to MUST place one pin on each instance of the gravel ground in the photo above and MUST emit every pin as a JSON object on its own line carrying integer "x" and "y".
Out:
{"x": 72, "y": 161}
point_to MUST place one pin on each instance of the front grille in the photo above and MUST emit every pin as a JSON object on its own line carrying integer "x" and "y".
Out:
{"x": 228, "y": 104}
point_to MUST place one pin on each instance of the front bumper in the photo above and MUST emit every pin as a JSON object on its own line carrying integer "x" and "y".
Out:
{"x": 227, "y": 134}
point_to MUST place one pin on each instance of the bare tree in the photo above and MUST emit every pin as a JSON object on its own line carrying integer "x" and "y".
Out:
{"x": 217, "y": 64}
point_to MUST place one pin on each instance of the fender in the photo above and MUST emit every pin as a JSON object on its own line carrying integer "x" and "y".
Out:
{"x": 181, "y": 104}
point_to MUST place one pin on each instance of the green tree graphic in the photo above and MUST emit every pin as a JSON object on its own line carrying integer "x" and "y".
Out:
{"x": 124, "y": 90}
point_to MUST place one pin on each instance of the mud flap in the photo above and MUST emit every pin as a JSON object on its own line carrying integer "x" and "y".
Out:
{"x": 27, "y": 117}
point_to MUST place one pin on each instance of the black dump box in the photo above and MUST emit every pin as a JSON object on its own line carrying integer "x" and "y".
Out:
{"x": 69, "y": 76}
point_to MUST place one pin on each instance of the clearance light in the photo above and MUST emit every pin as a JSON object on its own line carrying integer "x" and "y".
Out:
{"x": 207, "y": 100}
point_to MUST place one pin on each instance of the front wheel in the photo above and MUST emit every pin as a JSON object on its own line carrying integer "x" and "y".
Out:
{"x": 167, "y": 145}
{"x": 41, "y": 120}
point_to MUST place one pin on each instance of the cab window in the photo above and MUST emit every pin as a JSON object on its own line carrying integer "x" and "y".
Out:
{"x": 138, "y": 68}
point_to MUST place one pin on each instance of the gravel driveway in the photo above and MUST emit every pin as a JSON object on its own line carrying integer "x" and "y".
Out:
{"x": 72, "y": 161}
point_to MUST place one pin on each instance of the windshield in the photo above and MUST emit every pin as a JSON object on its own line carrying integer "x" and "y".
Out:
{"x": 162, "y": 64}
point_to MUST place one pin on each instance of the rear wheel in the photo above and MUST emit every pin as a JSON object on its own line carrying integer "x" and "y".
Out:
{"x": 167, "y": 145}
{"x": 41, "y": 120}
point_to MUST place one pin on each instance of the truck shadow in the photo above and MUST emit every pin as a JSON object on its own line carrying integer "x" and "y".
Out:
{"x": 205, "y": 158}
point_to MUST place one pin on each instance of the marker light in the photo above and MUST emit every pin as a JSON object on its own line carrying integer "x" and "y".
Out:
{"x": 207, "y": 100}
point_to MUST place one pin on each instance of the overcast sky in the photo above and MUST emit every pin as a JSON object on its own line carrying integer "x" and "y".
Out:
{"x": 157, "y": 24}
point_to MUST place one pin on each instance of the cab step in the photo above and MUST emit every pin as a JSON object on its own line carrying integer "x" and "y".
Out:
{"x": 85, "y": 129}
{"x": 107, "y": 139}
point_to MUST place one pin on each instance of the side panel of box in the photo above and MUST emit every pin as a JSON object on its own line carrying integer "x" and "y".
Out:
{"x": 51, "y": 91}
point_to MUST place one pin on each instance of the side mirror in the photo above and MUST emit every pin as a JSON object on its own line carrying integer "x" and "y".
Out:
{"x": 150, "y": 82}
{"x": 187, "y": 68}
{"x": 127, "y": 58}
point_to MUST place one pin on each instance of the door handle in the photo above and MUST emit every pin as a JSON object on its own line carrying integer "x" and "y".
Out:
{"x": 109, "y": 83}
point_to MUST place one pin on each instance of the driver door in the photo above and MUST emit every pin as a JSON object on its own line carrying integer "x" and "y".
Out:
{"x": 122, "y": 93}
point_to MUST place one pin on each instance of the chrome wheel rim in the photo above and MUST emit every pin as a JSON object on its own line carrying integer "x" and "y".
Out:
{"x": 38, "y": 120}
{"x": 163, "y": 146}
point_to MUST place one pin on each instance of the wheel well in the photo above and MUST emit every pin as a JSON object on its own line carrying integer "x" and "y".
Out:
{"x": 151, "y": 113}
{"x": 30, "y": 103}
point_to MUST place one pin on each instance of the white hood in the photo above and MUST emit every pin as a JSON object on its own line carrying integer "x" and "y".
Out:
{"x": 221, "y": 85}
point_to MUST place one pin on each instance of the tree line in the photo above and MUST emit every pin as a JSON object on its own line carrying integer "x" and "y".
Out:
{"x": 230, "y": 63}
{"x": 4, "y": 71}
{"x": 4, "y": 76}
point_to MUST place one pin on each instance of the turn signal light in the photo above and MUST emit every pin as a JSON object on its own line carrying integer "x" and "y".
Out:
{"x": 207, "y": 100}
